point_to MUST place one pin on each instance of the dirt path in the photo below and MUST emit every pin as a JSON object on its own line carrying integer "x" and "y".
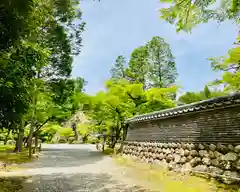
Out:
{"x": 74, "y": 168}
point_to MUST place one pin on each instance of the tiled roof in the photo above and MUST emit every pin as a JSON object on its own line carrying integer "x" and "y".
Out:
{"x": 225, "y": 101}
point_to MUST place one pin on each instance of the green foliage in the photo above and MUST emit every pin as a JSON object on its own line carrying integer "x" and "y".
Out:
{"x": 230, "y": 68}
{"x": 47, "y": 133}
{"x": 83, "y": 129}
{"x": 191, "y": 97}
{"x": 122, "y": 100}
{"x": 66, "y": 132}
{"x": 186, "y": 14}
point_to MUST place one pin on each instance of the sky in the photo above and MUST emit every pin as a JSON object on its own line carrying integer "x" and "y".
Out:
{"x": 117, "y": 27}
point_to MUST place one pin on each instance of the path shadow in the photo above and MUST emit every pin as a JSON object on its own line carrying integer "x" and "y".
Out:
{"x": 83, "y": 182}
{"x": 65, "y": 157}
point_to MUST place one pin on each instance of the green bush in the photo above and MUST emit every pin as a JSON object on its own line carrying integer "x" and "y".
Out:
{"x": 62, "y": 140}
{"x": 92, "y": 140}
{"x": 66, "y": 132}
{"x": 71, "y": 139}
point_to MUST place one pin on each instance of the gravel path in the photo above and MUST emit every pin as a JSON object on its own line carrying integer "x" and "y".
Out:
{"x": 74, "y": 168}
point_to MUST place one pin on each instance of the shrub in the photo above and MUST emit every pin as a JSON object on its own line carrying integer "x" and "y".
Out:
{"x": 92, "y": 140}
{"x": 71, "y": 139}
{"x": 62, "y": 140}
{"x": 66, "y": 132}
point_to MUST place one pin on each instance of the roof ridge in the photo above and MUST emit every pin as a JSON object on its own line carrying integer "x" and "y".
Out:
{"x": 229, "y": 99}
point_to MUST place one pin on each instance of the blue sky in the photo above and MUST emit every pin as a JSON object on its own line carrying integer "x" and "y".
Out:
{"x": 117, "y": 27}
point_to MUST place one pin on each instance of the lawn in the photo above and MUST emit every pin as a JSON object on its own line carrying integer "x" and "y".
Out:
{"x": 159, "y": 179}
{"x": 9, "y": 157}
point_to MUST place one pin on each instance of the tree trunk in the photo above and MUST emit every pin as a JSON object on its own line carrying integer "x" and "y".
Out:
{"x": 6, "y": 138}
{"x": 29, "y": 143}
{"x": 18, "y": 147}
{"x": 36, "y": 144}
{"x": 125, "y": 129}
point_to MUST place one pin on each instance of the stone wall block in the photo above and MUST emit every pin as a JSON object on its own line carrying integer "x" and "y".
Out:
{"x": 222, "y": 148}
{"x": 186, "y": 152}
{"x": 206, "y": 161}
{"x": 211, "y": 154}
{"x": 212, "y": 147}
{"x": 230, "y": 157}
{"x": 237, "y": 149}
{"x": 228, "y": 177}
{"x": 194, "y": 153}
{"x": 181, "y": 152}
{"x": 215, "y": 171}
{"x": 201, "y": 147}
{"x": 203, "y": 153}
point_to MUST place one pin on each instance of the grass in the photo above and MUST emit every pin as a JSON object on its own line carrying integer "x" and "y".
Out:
{"x": 11, "y": 184}
{"x": 9, "y": 157}
{"x": 159, "y": 179}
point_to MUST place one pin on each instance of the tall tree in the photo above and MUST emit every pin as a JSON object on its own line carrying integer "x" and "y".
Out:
{"x": 119, "y": 69}
{"x": 138, "y": 66}
{"x": 162, "y": 67}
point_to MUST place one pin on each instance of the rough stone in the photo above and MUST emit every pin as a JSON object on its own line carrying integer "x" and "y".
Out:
{"x": 201, "y": 147}
{"x": 201, "y": 168}
{"x": 230, "y": 147}
{"x": 195, "y": 161}
{"x": 203, "y": 153}
{"x": 181, "y": 152}
{"x": 168, "y": 151}
{"x": 215, "y": 162}
{"x": 222, "y": 148}
{"x": 215, "y": 171}
{"x": 230, "y": 157}
{"x": 188, "y": 146}
{"x": 178, "y": 145}
{"x": 206, "y": 161}
{"x": 186, "y": 152}
{"x": 169, "y": 157}
{"x": 211, "y": 154}
{"x": 183, "y": 160}
{"x": 192, "y": 146}
{"x": 225, "y": 165}
{"x": 237, "y": 149}
{"x": 212, "y": 147}
{"x": 189, "y": 158}
{"x": 177, "y": 158}
{"x": 229, "y": 177}
{"x": 186, "y": 168}
{"x": 237, "y": 164}
{"x": 174, "y": 145}
{"x": 165, "y": 145}
{"x": 193, "y": 153}
{"x": 218, "y": 155}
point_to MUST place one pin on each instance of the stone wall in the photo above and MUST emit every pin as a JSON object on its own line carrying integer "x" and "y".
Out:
{"x": 204, "y": 140}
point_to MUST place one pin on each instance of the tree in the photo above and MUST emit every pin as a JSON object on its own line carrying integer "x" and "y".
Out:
{"x": 191, "y": 97}
{"x": 109, "y": 109}
{"x": 118, "y": 71}
{"x": 230, "y": 66}
{"x": 186, "y": 14}
{"x": 138, "y": 66}
{"x": 162, "y": 70}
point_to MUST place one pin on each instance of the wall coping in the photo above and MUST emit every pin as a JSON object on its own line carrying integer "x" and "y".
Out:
{"x": 232, "y": 99}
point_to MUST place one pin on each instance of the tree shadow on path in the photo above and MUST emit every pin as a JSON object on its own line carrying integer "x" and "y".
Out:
{"x": 83, "y": 182}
